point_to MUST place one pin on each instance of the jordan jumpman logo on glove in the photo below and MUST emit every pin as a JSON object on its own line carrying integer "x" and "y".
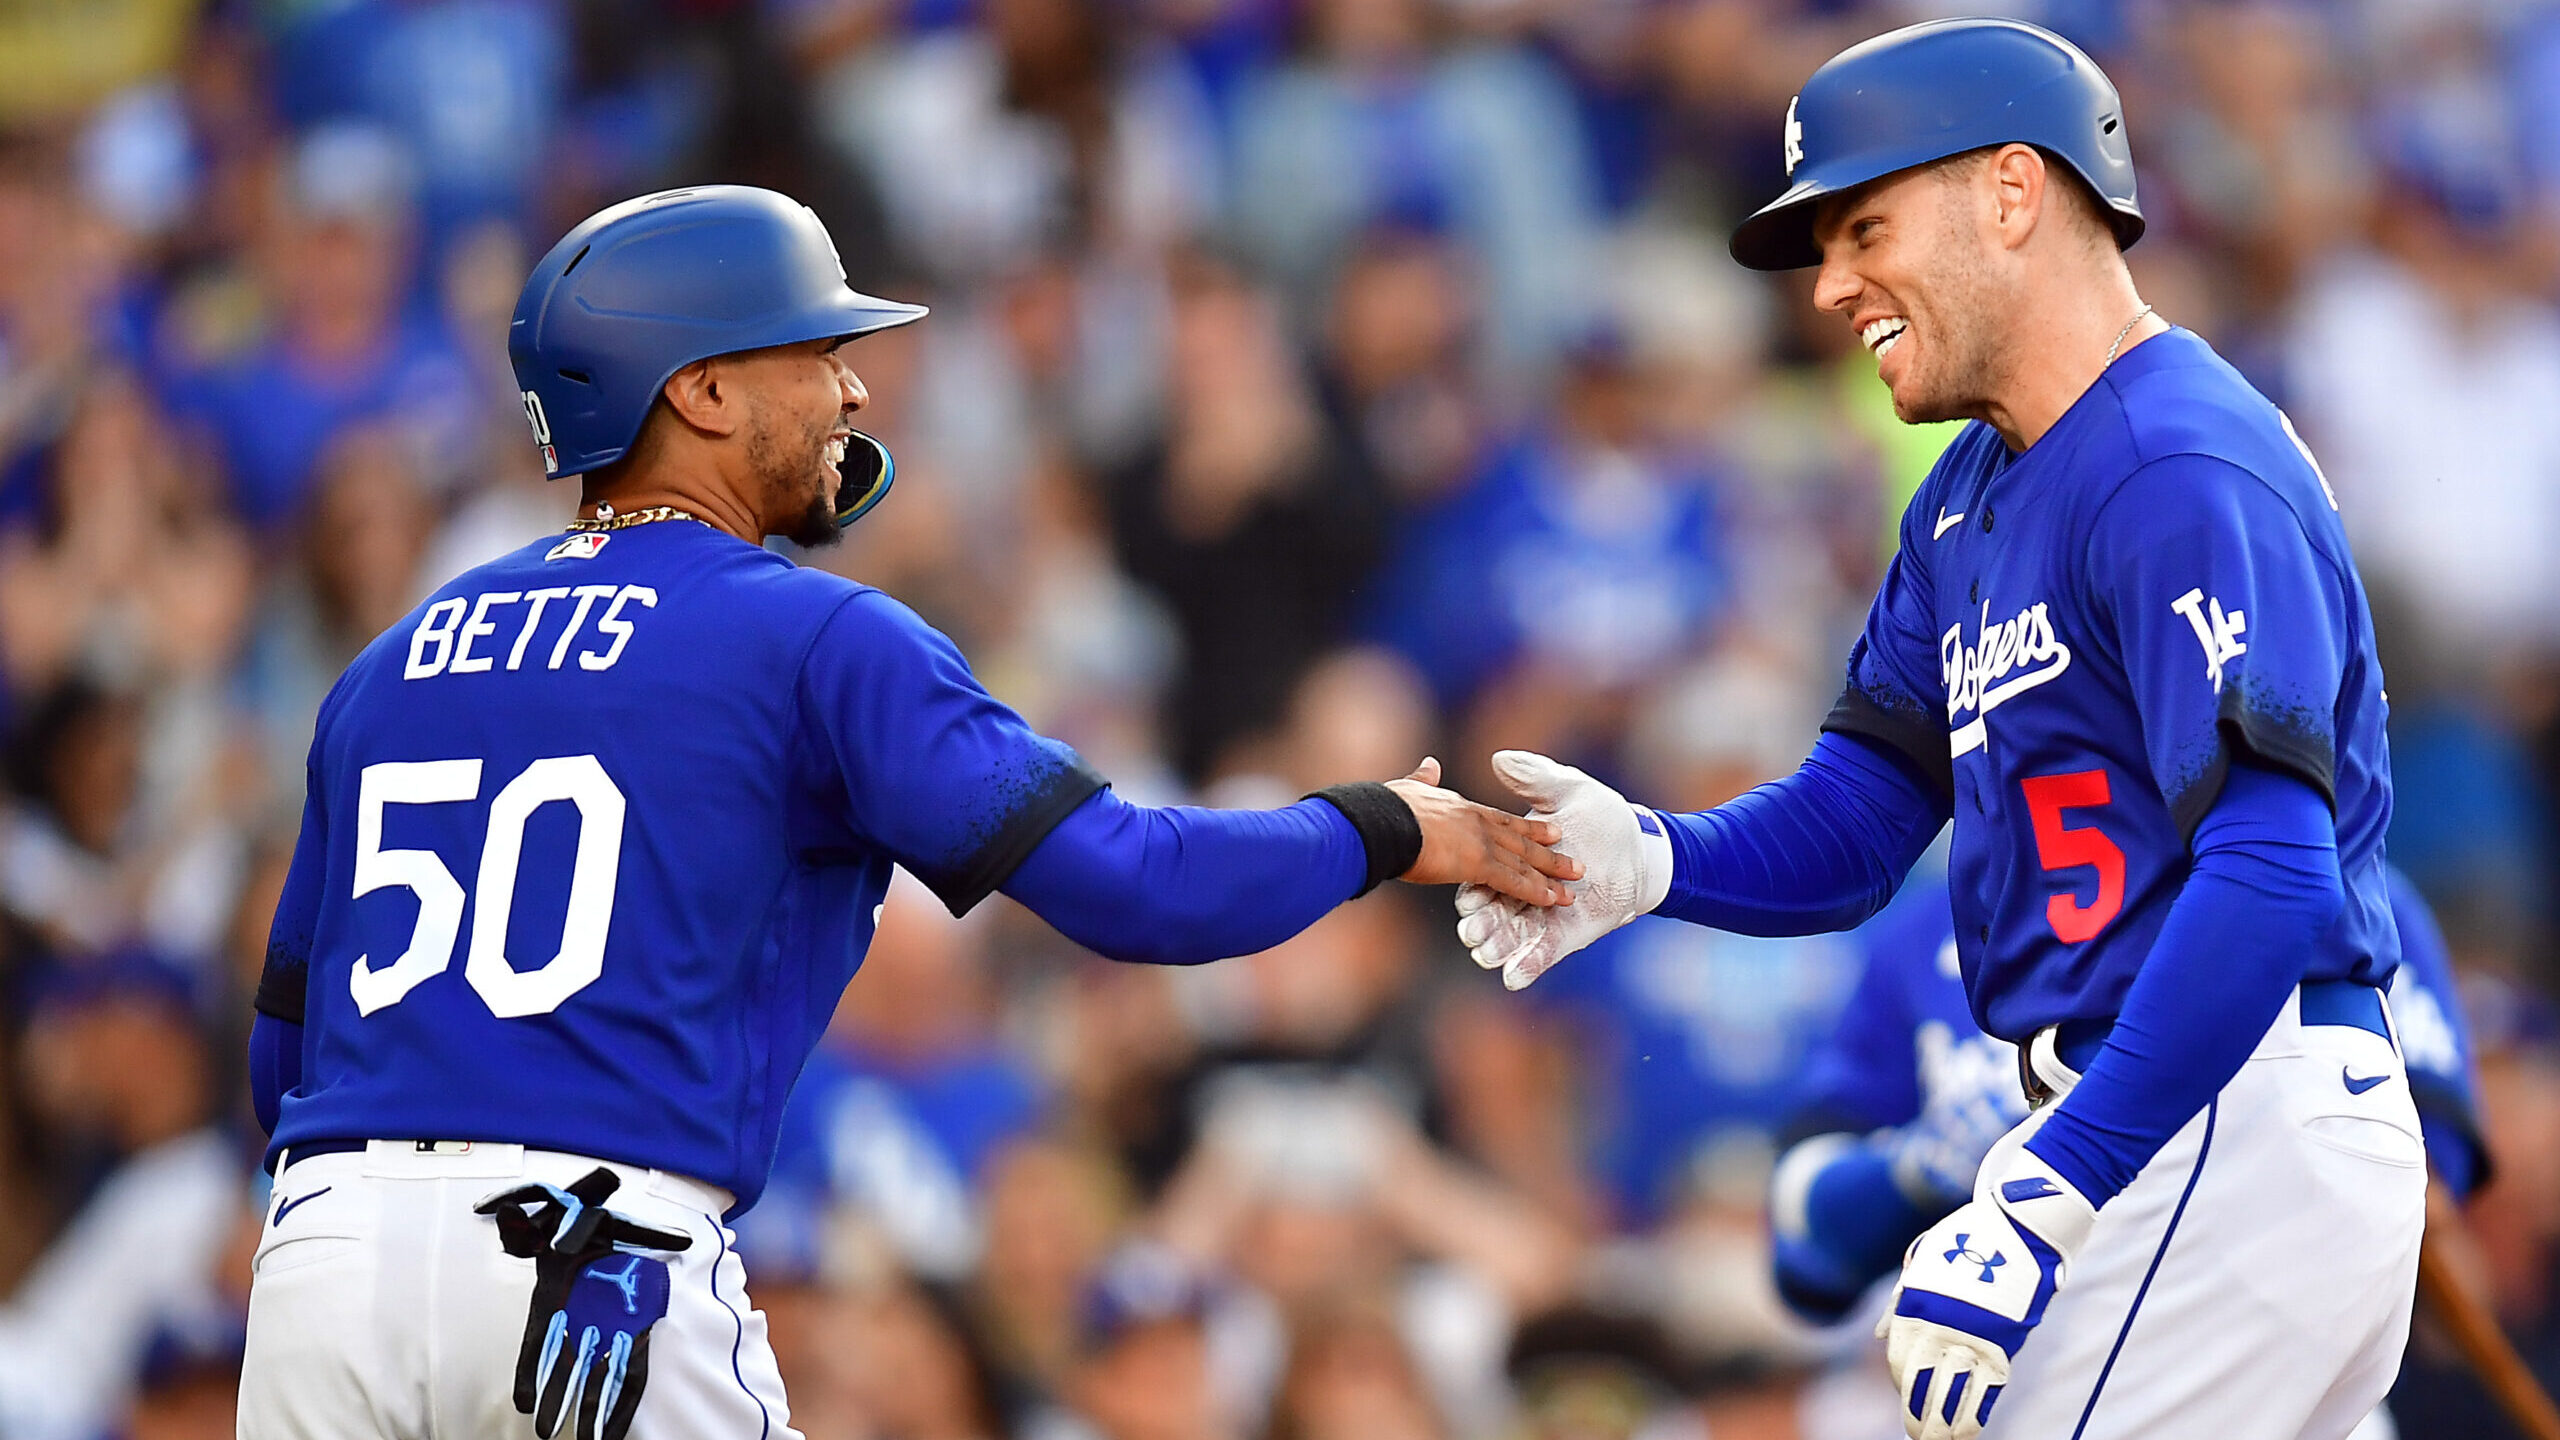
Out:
{"x": 586, "y": 1340}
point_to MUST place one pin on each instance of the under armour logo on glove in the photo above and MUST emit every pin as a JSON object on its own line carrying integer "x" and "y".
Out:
{"x": 1966, "y": 1303}
{"x": 586, "y": 1340}
{"x": 1964, "y": 1248}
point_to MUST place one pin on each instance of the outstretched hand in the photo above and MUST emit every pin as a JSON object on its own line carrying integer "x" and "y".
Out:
{"x": 1467, "y": 843}
{"x": 1624, "y": 846}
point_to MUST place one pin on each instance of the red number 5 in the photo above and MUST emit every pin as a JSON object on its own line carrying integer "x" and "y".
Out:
{"x": 2063, "y": 848}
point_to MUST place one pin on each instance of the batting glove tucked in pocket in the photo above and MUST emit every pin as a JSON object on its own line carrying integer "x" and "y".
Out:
{"x": 586, "y": 1340}
{"x": 1972, "y": 1288}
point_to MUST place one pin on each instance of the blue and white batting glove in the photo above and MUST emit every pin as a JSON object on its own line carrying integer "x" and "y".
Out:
{"x": 586, "y": 1339}
{"x": 1626, "y": 871}
{"x": 1973, "y": 1287}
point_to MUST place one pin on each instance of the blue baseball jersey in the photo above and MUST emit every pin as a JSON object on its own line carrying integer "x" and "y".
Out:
{"x": 597, "y": 835}
{"x": 2076, "y": 641}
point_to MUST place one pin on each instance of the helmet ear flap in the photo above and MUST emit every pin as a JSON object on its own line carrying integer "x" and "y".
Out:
{"x": 869, "y": 470}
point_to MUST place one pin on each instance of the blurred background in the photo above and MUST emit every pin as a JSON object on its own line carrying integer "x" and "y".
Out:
{"x": 1311, "y": 385}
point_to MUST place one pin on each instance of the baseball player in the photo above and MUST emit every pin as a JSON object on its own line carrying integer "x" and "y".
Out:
{"x": 2124, "y": 649}
{"x": 596, "y": 836}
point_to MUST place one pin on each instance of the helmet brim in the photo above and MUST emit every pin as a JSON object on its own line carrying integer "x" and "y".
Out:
{"x": 860, "y": 314}
{"x": 1779, "y": 235}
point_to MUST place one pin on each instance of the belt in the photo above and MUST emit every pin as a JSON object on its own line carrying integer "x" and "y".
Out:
{"x": 491, "y": 1158}
{"x": 2324, "y": 1002}
{"x": 296, "y": 1153}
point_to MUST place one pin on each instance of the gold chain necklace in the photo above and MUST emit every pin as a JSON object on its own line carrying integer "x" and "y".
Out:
{"x": 607, "y": 519}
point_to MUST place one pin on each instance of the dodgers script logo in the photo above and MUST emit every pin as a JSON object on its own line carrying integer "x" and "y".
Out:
{"x": 2010, "y": 658}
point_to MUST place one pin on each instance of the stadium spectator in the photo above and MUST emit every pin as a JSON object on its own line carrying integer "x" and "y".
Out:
{"x": 116, "y": 1063}
{"x": 1385, "y": 115}
{"x": 347, "y": 344}
{"x": 1252, "y": 519}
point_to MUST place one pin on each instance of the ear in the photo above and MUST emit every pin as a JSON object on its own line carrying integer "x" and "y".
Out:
{"x": 704, "y": 398}
{"x": 2019, "y": 191}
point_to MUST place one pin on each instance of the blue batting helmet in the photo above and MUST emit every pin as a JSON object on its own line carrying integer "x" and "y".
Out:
{"x": 1929, "y": 91}
{"x": 644, "y": 288}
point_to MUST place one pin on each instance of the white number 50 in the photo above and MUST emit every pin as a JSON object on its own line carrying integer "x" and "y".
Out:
{"x": 508, "y": 992}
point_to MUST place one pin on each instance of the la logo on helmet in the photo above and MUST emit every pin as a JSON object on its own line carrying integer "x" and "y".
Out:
{"x": 1795, "y": 139}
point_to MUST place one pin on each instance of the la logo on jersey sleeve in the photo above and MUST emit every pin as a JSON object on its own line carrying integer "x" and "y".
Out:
{"x": 2217, "y": 630}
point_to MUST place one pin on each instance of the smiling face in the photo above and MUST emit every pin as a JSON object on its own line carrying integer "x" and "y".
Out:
{"x": 800, "y": 404}
{"x": 1910, "y": 262}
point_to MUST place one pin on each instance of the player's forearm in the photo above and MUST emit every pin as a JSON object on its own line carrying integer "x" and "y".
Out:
{"x": 1177, "y": 885}
{"x": 2265, "y": 887}
{"x": 1817, "y": 851}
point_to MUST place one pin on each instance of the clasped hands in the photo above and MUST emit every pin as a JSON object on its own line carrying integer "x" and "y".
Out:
{"x": 1534, "y": 888}
{"x": 1622, "y": 870}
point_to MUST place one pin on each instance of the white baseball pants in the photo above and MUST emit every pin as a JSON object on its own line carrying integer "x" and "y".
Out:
{"x": 2254, "y": 1281}
{"x": 382, "y": 1306}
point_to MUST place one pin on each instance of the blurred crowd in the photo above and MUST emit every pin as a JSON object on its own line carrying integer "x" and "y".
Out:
{"x": 1311, "y": 385}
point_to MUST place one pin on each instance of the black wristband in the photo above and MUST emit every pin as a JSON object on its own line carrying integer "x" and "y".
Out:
{"x": 1386, "y": 825}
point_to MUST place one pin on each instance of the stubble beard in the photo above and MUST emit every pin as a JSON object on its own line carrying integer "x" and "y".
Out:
{"x": 794, "y": 477}
{"x": 1963, "y": 352}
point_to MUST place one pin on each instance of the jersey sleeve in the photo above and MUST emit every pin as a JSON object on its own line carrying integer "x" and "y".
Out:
{"x": 285, "y": 981}
{"x": 1895, "y": 693}
{"x": 936, "y": 773}
{"x": 2233, "y": 628}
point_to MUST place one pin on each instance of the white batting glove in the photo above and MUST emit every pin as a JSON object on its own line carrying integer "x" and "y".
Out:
{"x": 1973, "y": 1286}
{"x": 1626, "y": 871}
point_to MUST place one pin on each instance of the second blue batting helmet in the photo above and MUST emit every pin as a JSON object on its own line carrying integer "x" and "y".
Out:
{"x": 644, "y": 288}
{"x": 1929, "y": 91}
